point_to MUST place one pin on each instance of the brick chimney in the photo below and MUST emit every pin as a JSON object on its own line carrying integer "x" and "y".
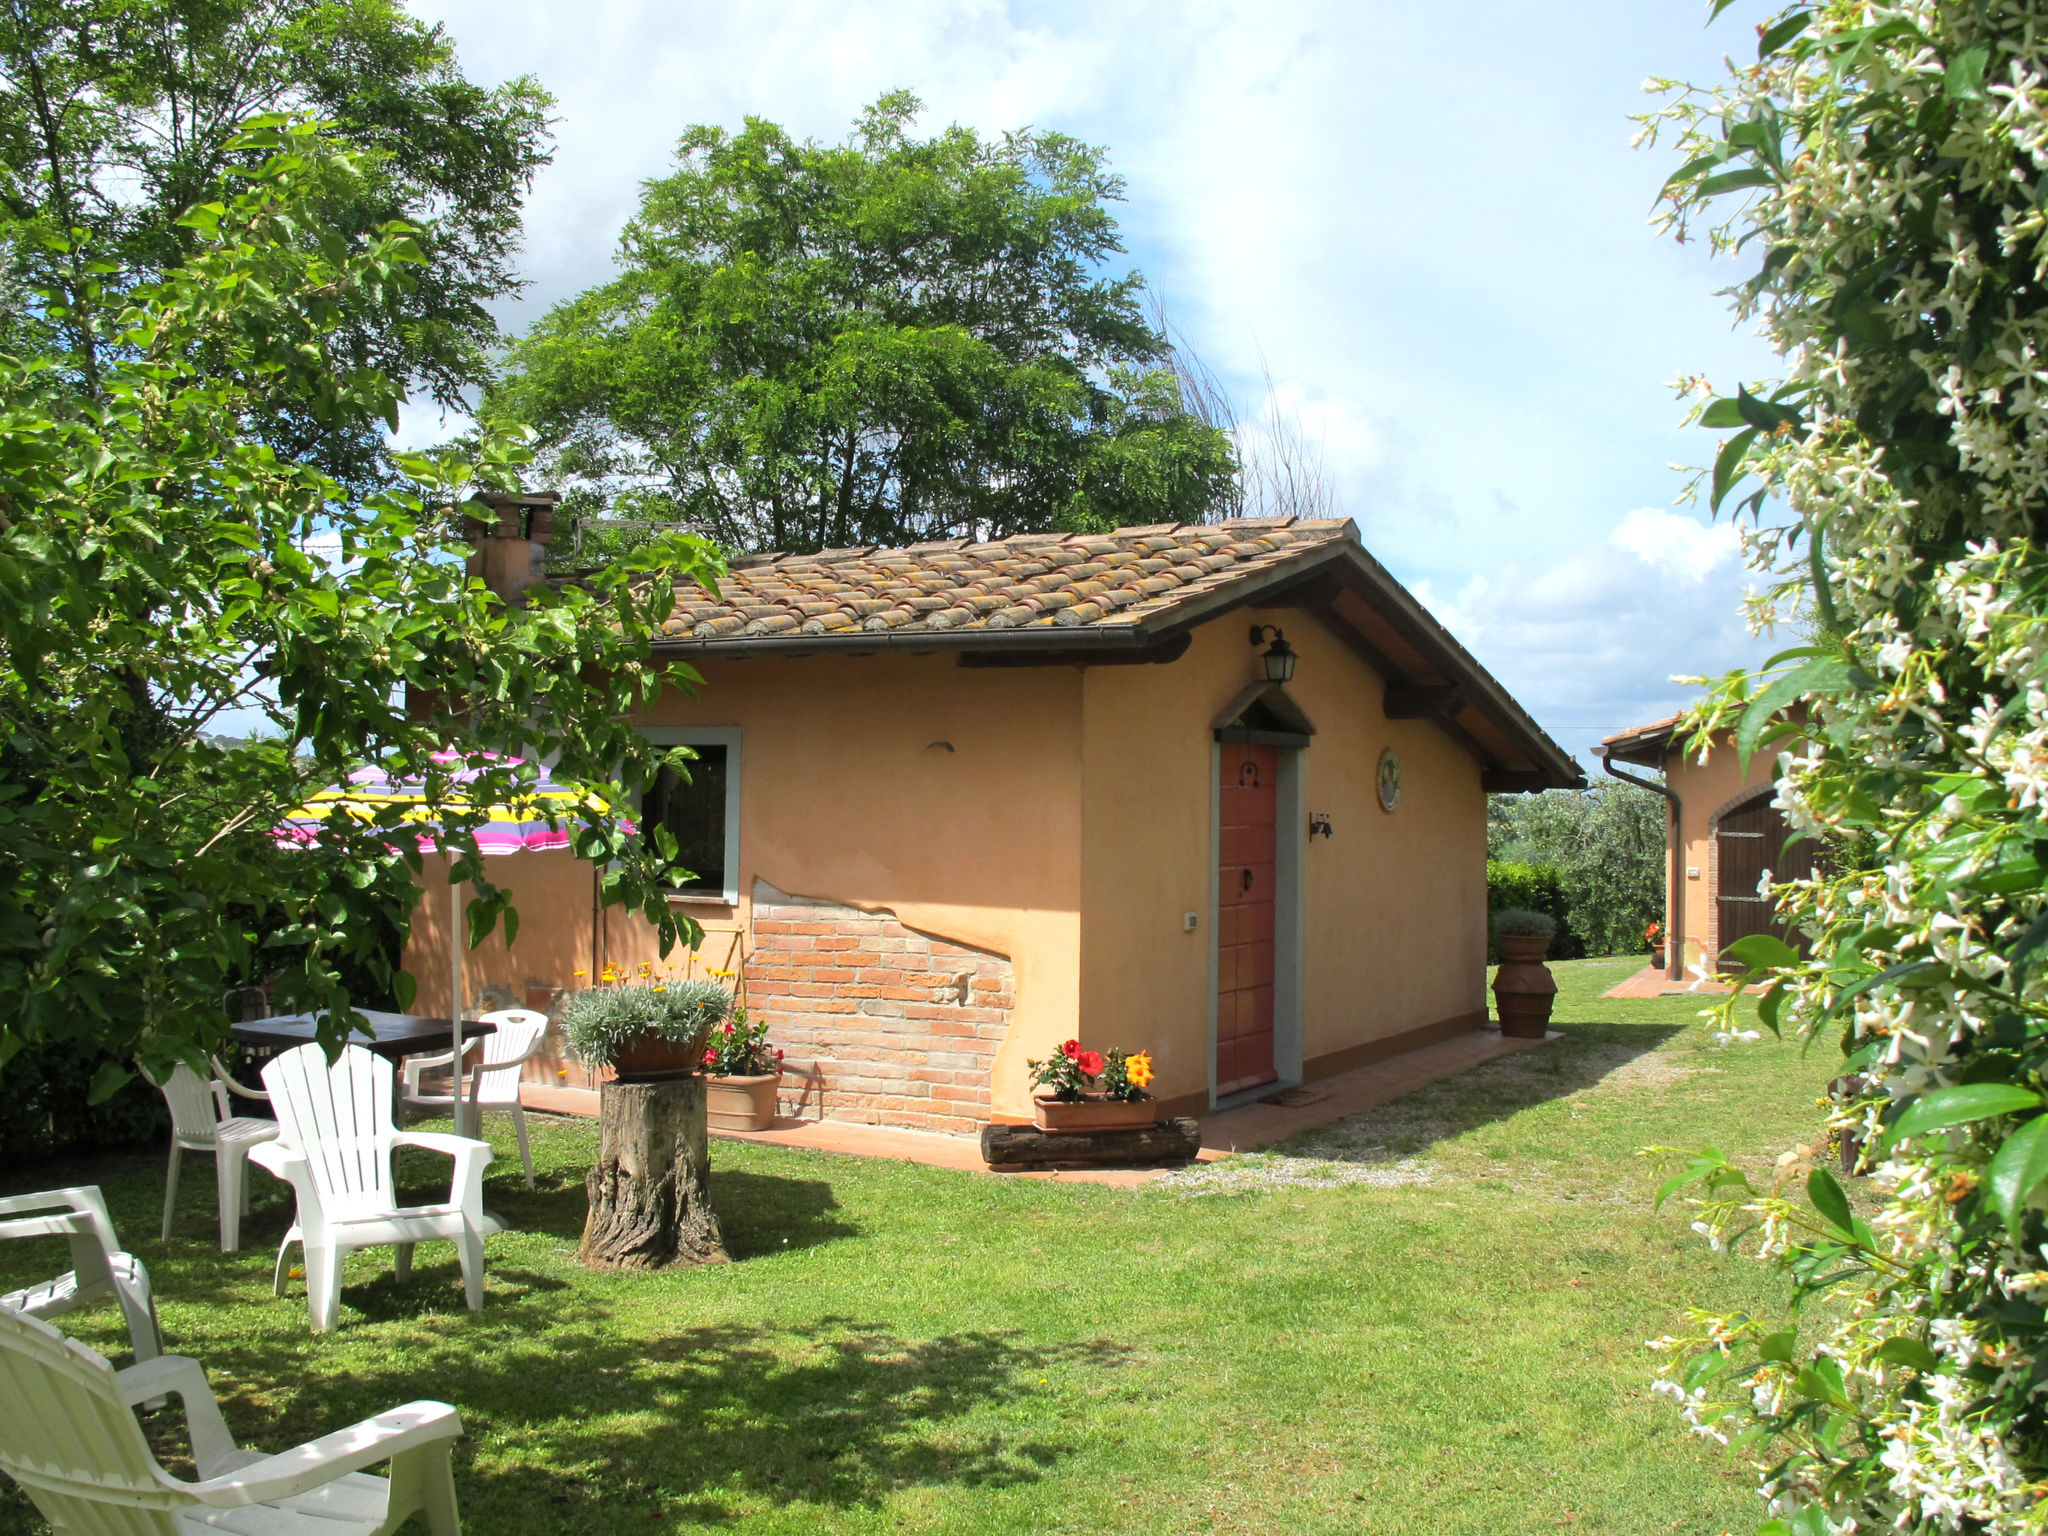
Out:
{"x": 508, "y": 536}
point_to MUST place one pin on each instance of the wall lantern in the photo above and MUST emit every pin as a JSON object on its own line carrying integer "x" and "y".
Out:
{"x": 1280, "y": 656}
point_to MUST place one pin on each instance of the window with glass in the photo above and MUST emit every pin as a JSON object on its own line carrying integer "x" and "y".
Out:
{"x": 697, "y": 809}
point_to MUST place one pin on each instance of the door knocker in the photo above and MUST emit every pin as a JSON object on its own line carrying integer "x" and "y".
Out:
{"x": 1246, "y": 883}
{"x": 1248, "y": 766}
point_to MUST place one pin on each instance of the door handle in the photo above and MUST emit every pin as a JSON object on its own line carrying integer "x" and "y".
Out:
{"x": 1246, "y": 883}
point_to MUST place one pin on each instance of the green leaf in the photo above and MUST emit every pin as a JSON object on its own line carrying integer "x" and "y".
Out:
{"x": 1964, "y": 79}
{"x": 1822, "y": 678}
{"x": 1962, "y": 1105}
{"x": 1722, "y": 412}
{"x": 1829, "y": 1200}
{"x": 1728, "y": 465}
{"x": 2022, "y": 953}
{"x": 1779, "y": 1347}
{"x": 1778, "y": 36}
{"x": 1765, "y": 415}
{"x": 2019, "y": 1169}
{"x": 1761, "y": 952}
{"x": 1810, "y": 1521}
{"x": 1735, "y": 181}
{"x": 1768, "y": 1007}
{"x": 1908, "y": 1352}
{"x": 111, "y": 1078}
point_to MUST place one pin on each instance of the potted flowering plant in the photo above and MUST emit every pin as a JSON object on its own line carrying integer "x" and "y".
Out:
{"x": 1092, "y": 1090}
{"x": 1654, "y": 937}
{"x": 741, "y": 1071}
{"x": 1523, "y": 988}
{"x": 644, "y": 1030}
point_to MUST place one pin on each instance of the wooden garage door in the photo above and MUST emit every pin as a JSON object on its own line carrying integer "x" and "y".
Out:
{"x": 1749, "y": 841}
{"x": 1247, "y": 816}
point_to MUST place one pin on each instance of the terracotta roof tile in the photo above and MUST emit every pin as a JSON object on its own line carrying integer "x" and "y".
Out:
{"x": 1068, "y": 581}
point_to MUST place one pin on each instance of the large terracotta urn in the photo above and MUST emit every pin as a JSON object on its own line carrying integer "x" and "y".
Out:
{"x": 1523, "y": 988}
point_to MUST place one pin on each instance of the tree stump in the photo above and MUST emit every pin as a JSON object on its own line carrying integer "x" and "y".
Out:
{"x": 650, "y": 1193}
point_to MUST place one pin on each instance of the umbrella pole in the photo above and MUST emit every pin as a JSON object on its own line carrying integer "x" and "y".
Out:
{"x": 455, "y": 937}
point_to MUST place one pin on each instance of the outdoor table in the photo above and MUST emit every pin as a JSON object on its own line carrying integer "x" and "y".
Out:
{"x": 397, "y": 1034}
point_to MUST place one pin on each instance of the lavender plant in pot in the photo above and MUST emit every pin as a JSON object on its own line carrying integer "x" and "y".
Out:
{"x": 741, "y": 1071}
{"x": 1524, "y": 991}
{"x": 645, "y": 1030}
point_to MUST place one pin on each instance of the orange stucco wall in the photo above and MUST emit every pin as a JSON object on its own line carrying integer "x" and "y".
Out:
{"x": 845, "y": 795}
{"x": 1393, "y": 906}
{"x": 1704, "y": 789}
{"x": 1068, "y": 828}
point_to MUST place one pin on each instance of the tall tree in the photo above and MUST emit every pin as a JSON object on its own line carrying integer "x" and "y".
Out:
{"x": 154, "y": 576}
{"x": 874, "y": 342}
{"x": 116, "y": 116}
{"x": 1607, "y": 844}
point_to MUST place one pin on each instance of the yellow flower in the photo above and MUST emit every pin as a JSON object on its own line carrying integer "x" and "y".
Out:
{"x": 1139, "y": 1069}
{"x": 579, "y": 975}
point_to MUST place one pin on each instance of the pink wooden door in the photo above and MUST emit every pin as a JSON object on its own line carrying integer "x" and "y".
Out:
{"x": 1244, "y": 917}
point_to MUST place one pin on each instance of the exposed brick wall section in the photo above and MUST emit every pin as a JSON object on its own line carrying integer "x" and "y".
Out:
{"x": 902, "y": 1026}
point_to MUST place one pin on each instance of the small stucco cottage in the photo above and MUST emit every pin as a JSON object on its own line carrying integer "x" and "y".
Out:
{"x": 1217, "y": 792}
{"x": 1726, "y": 841}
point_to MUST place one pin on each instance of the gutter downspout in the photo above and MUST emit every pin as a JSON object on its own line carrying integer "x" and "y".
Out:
{"x": 1674, "y": 937}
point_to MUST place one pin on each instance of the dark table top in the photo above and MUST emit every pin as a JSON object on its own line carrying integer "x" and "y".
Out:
{"x": 397, "y": 1034}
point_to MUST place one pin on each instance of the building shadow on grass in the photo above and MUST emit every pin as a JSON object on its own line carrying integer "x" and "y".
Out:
{"x": 1589, "y": 1055}
{"x": 594, "y": 1430}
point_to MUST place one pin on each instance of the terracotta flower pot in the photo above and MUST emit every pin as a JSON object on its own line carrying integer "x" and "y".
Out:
{"x": 650, "y": 1059}
{"x": 1094, "y": 1114}
{"x": 1657, "y": 957}
{"x": 740, "y": 1103}
{"x": 1523, "y": 988}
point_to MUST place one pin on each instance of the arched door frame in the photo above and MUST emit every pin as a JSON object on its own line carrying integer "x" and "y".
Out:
{"x": 1741, "y": 800}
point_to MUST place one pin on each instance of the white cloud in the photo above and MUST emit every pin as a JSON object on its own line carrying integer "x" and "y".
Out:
{"x": 1588, "y": 638}
{"x": 1676, "y": 544}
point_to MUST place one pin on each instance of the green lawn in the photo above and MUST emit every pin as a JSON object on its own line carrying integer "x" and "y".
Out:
{"x": 1425, "y": 1320}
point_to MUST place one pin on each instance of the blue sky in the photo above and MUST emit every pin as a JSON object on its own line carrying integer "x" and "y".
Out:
{"x": 1425, "y": 222}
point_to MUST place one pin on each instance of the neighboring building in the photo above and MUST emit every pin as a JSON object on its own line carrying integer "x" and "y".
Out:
{"x": 1724, "y": 837}
{"x": 960, "y": 802}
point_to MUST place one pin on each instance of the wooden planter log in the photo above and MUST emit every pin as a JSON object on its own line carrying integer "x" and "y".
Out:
{"x": 650, "y": 1193}
{"x": 1026, "y": 1146}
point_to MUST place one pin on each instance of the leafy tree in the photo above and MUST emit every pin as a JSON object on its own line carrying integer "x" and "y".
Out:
{"x": 875, "y": 342}
{"x": 1607, "y": 844}
{"x": 1882, "y": 170}
{"x": 118, "y": 115}
{"x": 154, "y": 576}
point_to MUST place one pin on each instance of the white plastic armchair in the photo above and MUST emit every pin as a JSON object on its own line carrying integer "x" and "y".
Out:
{"x": 98, "y": 1266}
{"x": 68, "y": 1435}
{"x": 493, "y": 1074}
{"x": 203, "y": 1119}
{"x": 335, "y": 1152}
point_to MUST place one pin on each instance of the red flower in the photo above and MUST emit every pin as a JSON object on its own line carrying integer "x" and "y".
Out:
{"x": 1090, "y": 1063}
{"x": 1071, "y": 1050}
{"x": 778, "y": 1053}
{"x": 728, "y": 1029}
{"x": 710, "y": 1056}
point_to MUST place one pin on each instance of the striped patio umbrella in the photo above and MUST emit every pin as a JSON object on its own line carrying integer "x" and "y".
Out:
{"x": 541, "y": 816}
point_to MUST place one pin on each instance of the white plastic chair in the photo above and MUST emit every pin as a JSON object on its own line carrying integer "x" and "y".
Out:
{"x": 203, "y": 1120}
{"x": 98, "y": 1266}
{"x": 493, "y": 1077}
{"x": 335, "y": 1152}
{"x": 68, "y": 1435}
